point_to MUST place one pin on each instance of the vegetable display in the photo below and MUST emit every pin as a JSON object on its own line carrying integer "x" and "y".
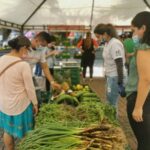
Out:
{"x": 76, "y": 119}
{"x": 57, "y": 137}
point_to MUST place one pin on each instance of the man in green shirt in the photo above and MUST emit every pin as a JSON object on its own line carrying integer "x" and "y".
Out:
{"x": 129, "y": 50}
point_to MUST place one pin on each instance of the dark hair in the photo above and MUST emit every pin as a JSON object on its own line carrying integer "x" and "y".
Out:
{"x": 143, "y": 18}
{"x": 99, "y": 29}
{"x": 106, "y": 28}
{"x": 44, "y": 36}
{"x": 19, "y": 42}
{"x": 88, "y": 34}
{"x": 52, "y": 38}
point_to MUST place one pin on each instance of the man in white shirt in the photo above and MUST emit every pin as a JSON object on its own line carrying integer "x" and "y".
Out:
{"x": 37, "y": 55}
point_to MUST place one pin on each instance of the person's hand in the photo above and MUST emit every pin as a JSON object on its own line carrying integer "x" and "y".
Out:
{"x": 122, "y": 91}
{"x": 57, "y": 52}
{"x": 137, "y": 114}
{"x": 82, "y": 51}
{"x": 52, "y": 52}
{"x": 35, "y": 109}
{"x": 55, "y": 85}
{"x": 51, "y": 44}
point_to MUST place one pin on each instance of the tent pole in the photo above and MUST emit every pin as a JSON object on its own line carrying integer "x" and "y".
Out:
{"x": 33, "y": 13}
{"x": 147, "y": 4}
{"x": 92, "y": 15}
{"x": 22, "y": 29}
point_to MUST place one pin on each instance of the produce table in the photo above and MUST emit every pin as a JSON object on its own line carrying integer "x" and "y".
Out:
{"x": 76, "y": 121}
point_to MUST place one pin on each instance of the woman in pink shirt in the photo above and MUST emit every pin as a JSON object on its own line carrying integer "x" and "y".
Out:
{"x": 18, "y": 102}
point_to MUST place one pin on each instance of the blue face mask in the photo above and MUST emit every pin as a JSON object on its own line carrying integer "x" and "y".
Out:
{"x": 136, "y": 39}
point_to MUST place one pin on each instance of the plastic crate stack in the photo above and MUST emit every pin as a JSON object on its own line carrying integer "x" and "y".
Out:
{"x": 74, "y": 74}
{"x": 68, "y": 74}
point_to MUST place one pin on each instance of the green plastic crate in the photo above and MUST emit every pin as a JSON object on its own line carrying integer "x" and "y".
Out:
{"x": 67, "y": 74}
{"x": 74, "y": 74}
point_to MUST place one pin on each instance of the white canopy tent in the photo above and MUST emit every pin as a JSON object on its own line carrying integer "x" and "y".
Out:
{"x": 68, "y": 12}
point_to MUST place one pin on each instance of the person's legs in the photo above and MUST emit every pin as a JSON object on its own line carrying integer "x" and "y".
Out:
{"x": 38, "y": 91}
{"x": 112, "y": 93}
{"x": 8, "y": 141}
{"x": 112, "y": 90}
{"x": 145, "y": 143}
{"x": 91, "y": 72}
{"x": 140, "y": 129}
{"x": 84, "y": 72}
{"x": 36, "y": 69}
{"x": 91, "y": 64}
{"x": 48, "y": 86}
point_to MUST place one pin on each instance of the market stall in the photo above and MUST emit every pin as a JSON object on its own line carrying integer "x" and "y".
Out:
{"x": 76, "y": 120}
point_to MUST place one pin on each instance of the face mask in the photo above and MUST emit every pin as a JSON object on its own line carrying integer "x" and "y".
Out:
{"x": 40, "y": 47}
{"x": 103, "y": 41}
{"x": 136, "y": 39}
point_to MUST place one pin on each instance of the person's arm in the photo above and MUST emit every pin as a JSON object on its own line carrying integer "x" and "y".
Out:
{"x": 95, "y": 44}
{"x": 48, "y": 75}
{"x": 143, "y": 68}
{"x": 79, "y": 46}
{"x": 29, "y": 86}
{"x": 119, "y": 65}
{"x": 121, "y": 88}
{"x": 117, "y": 54}
{"x": 50, "y": 53}
{"x": 46, "y": 71}
{"x": 129, "y": 54}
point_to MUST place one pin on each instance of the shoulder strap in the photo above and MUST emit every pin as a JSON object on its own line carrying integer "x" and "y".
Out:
{"x": 15, "y": 62}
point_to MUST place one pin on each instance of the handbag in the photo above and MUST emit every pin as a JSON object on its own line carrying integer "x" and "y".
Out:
{"x": 15, "y": 62}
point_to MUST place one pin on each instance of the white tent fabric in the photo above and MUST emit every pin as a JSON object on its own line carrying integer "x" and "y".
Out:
{"x": 71, "y": 12}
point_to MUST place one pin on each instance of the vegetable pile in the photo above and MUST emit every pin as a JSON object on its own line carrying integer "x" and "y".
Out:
{"x": 58, "y": 137}
{"x": 75, "y": 120}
